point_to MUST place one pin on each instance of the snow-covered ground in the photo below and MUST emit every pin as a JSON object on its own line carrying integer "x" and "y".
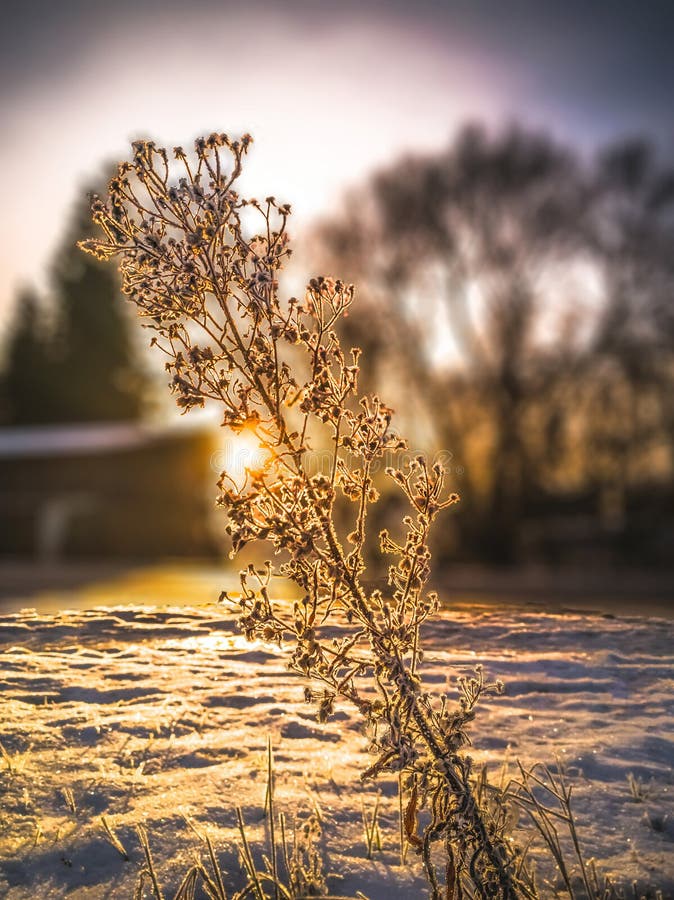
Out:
{"x": 159, "y": 715}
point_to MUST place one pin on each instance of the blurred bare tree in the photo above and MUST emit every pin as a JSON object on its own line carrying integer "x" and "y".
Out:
{"x": 628, "y": 407}
{"x": 526, "y": 297}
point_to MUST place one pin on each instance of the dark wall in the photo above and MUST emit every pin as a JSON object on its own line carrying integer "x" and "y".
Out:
{"x": 148, "y": 501}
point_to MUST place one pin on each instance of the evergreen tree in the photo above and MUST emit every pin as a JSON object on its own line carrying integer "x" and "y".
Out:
{"x": 98, "y": 374}
{"x": 28, "y": 380}
{"x": 82, "y": 366}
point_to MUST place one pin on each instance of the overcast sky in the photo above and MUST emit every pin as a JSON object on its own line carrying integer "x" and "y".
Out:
{"x": 328, "y": 89}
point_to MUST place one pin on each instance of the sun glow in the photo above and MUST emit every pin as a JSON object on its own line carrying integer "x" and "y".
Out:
{"x": 242, "y": 454}
{"x": 307, "y": 149}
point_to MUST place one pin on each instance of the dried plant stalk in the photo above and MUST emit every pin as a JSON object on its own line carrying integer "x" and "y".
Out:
{"x": 207, "y": 283}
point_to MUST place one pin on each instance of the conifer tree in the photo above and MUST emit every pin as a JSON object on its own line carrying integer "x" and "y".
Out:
{"x": 80, "y": 365}
{"x": 99, "y": 376}
{"x": 27, "y": 385}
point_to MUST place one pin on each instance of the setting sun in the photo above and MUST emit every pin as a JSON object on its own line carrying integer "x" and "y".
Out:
{"x": 242, "y": 452}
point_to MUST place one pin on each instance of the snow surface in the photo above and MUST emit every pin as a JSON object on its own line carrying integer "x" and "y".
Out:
{"x": 160, "y": 716}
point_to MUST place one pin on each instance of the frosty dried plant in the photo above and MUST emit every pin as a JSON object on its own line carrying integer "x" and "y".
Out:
{"x": 202, "y": 264}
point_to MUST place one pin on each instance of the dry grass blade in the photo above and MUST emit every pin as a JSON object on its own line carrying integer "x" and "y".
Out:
{"x": 269, "y": 806}
{"x": 371, "y": 827}
{"x": 151, "y": 871}
{"x": 284, "y": 845}
{"x": 138, "y": 893}
{"x": 38, "y": 834}
{"x": 188, "y": 886}
{"x": 221, "y": 894}
{"x": 113, "y": 839}
{"x": 69, "y": 798}
{"x": 247, "y": 858}
{"x": 16, "y": 763}
{"x": 546, "y": 820}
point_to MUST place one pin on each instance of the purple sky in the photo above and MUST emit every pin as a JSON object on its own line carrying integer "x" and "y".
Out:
{"x": 329, "y": 90}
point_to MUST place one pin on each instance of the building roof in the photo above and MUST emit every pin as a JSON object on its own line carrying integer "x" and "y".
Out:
{"x": 78, "y": 439}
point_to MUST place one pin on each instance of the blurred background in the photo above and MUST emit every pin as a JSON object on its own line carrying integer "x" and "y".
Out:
{"x": 496, "y": 176}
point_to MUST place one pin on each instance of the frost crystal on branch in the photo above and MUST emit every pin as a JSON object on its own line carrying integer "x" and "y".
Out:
{"x": 207, "y": 283}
